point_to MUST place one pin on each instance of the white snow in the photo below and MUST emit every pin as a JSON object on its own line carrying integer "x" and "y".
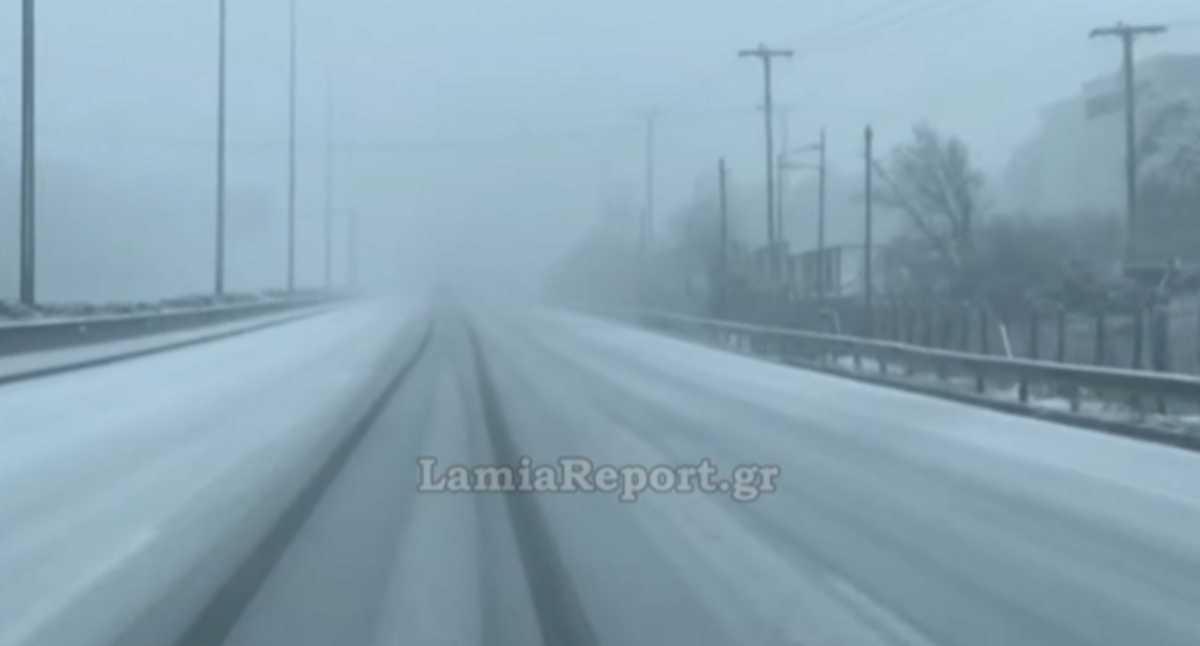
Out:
{"x": 116, "y": 482}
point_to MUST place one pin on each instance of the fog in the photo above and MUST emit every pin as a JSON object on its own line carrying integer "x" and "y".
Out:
{"x": 479, "y": 141}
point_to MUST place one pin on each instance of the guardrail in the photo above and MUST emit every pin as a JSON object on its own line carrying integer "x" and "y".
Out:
{"x": 34, "y": 336}
{"x": 889, "y": 358}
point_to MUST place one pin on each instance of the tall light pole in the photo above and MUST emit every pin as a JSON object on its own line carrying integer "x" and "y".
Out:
{"x": 28, "y": 156}
{"x": 219, "y": 286}
{"x": 291, "y": 252}
{"x": 1127, "y": 34}
{"x": 329, "y": 161}
{"x": 766, "y": 54}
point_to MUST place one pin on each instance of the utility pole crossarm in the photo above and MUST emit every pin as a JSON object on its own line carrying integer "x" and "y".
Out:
{"x": 1125, "y": 31}
{"x": 762, "y": 51}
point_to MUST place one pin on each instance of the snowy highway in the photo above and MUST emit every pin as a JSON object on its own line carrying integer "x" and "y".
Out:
{"x": 226, "y": 493}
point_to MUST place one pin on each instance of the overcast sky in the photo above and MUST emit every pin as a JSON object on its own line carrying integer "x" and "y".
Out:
{"x": 484, "y": 136}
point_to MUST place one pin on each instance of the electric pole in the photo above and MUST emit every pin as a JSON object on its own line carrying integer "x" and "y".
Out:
{"x": 221, "y": 59}
{"x": 765, "y": 54}
{"x": 28, "y": 156}
{"x": 329, "y": 169}
{"x": 1127, "y": 34}
{"x": 291, "y": 253}
{"x": 723, "y": 273}
{"x": 868, "y": 318}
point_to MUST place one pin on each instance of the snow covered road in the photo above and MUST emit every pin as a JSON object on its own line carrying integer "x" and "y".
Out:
{"x": 897, "y": 518}
{"x": 117, "y": 482}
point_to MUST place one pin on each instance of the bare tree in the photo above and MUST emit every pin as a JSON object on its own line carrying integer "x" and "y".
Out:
{"x": 932, "y": 182}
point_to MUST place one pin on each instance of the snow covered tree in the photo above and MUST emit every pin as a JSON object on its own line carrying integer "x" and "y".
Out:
{"x": 932, "y": 182}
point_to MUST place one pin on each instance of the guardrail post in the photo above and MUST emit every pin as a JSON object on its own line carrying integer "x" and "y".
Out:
{"x": 1101, "y": 340}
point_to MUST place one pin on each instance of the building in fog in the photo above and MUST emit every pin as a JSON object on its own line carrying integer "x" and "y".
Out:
{"x": 1074, "y": 165}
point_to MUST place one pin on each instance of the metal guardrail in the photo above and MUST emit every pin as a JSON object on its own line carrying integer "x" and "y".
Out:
{"x": 34, "y": 336}
{"x": 826, "y": 349}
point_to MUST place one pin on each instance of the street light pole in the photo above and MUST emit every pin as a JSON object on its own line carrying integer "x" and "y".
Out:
{"x": 28, "y": 156}
{"x": 291, "y": 252}
{"x": 219, "y": 287}
{"x": 329, "y": 169}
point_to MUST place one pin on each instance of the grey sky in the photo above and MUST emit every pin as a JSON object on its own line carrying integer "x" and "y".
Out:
{"x": 483, "y": 136}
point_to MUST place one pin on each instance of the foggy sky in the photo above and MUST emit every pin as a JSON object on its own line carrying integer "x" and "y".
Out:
{"x": 482, "y": 138}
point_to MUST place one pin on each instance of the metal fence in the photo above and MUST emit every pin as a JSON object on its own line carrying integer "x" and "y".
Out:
{"x": 983, "y": 373}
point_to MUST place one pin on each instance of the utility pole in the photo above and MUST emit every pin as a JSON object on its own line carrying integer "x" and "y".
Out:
{"x": 291, "y": 259}
{"x": 724, "y": 255}
{"x": 28, "y": 156}
{"x": 1127, "y": 34}
{"x": 868, "y": 290}
{"x": 219, "y": 287}
{"x": 765, "y": 54}
{"x": 329, "y": 169}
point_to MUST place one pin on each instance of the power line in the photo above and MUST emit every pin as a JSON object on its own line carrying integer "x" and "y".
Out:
{"x": 882, "y": 10}
{"x": 895, "y": 25}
